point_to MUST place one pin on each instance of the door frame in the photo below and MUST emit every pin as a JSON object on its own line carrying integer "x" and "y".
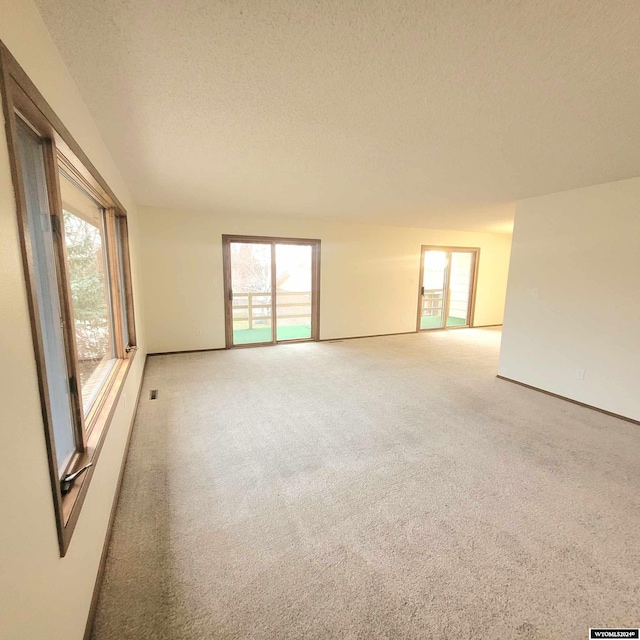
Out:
{"x": 472, "y": 287}
{"x": 228, "y": 292}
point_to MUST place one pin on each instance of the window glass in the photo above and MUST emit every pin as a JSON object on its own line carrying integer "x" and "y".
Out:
{"x": 87, "y": 268}
{"x": 121, "y": 231}
{"x": 47, "y": 296}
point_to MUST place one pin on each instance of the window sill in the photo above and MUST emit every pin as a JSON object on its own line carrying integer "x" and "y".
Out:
{"x": 98, "y": 427}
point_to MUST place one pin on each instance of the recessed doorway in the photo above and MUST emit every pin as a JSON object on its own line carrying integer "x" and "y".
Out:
{"x": 446, "y": 297}
{"x": 271, "y": 290}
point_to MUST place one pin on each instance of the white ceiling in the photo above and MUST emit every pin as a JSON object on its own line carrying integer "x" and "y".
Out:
{"x": 433, "y": 113}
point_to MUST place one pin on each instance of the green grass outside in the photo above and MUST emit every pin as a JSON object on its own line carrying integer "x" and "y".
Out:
{"x": 263, "y": 334}
{"x": 433, "y": 322}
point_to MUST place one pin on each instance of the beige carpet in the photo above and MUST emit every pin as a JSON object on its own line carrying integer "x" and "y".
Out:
{"x": 380, "y": 488}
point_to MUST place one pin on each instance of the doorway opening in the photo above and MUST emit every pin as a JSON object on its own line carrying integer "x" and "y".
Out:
{"x": 448, "y": 277}
{"x": 271, "y": 290}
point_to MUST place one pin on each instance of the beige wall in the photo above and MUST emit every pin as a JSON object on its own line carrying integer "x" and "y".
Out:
{"x": 43, "y": 596}
{"x": 574, "y": 296}
{"x": 369, "y": 274}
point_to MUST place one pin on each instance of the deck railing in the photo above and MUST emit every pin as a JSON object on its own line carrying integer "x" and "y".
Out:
{"x": 261, "y": 311}
{"x": 432, "y": 302}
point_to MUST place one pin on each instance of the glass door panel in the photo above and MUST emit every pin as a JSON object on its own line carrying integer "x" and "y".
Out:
{"x": 460, "y": 280}
{"x": 434, "y": 287}
{"x": 293, "y": 291}
{"x": 251, "y": 293}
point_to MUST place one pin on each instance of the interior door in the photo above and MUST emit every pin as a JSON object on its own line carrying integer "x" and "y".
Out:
{"x": 447, "y": 289}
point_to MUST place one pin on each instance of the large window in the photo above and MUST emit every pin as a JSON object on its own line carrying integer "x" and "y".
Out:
{"x": 75, "y": 255}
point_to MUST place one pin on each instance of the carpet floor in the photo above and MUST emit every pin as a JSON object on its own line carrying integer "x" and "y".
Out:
{"x": 380, "y": 488}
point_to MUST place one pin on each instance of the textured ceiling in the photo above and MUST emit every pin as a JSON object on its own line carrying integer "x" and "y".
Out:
{"x": 434, "y": 113}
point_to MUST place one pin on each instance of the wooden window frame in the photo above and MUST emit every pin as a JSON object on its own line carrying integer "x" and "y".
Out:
{"x": 472, "y": 287}
{"x": 227, "y": 240}
{"x": 24, "y": 105}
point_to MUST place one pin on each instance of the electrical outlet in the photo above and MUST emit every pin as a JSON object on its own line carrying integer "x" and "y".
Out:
{"x": 579, "y": 374}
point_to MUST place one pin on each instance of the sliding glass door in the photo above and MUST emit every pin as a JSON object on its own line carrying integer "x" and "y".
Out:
{"x": 271, "y": 290}
{"x": 447, "y": 287}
